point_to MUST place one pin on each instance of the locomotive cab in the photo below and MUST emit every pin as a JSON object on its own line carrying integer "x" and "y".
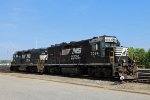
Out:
{"x": 121, "y": 64}
{"x": 108, "y": 45}
{"x": 119, "y": 59}
{"x": 116, "y": 56}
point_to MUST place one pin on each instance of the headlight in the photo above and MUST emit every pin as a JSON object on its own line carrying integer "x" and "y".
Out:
{"x": 121, "y": 78}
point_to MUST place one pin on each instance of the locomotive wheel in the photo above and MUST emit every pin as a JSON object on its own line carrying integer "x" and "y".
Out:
{"x": 53, "y": 70}
{"x": 100, "y": 72}
{"x": 27, "y": 69}
{"x": 16, "y": 68}
{"x": 11, "y": 68}
{"x": 91, "y": 72}
{"x": 33, "y": 69}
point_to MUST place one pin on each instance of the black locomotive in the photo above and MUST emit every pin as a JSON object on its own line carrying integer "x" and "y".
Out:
{"x": 98, "y": 57}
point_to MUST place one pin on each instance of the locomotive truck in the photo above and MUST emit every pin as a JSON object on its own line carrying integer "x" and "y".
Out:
{"x": 101, "y": 56}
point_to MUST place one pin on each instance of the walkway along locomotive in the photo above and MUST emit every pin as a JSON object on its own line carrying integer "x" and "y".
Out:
{"x": 98, "y": 57}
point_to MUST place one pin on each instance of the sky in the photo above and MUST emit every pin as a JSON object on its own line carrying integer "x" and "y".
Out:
{"x": 27, "y": 24}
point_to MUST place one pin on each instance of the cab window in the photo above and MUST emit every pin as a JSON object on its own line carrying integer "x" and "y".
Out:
{"x": 94, "y": 47}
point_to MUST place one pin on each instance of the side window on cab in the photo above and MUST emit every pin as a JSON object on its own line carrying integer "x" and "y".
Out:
{"x": 94, "y": 47}
{"x": 23, "y": 56}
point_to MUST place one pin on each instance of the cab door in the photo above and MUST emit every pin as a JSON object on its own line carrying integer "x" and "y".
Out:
{"x": 109, "y": 54}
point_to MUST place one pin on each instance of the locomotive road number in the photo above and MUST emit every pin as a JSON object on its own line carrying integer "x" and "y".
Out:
{"x": 94, "y": 53}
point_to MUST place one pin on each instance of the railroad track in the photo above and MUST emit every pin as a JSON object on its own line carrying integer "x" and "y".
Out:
{"x": 4, "y": 68}
{"x": 144, "y": 75}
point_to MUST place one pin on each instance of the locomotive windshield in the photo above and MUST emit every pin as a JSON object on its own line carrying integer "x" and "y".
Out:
{"x": 110, "y": 44}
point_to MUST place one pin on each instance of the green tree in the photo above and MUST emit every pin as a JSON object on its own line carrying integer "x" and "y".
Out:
{"x": 131, "y": 52}
{"x": 140, "y": 55}
{"x": 147, "y": 59}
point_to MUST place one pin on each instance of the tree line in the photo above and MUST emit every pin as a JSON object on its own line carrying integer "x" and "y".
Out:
{"x": 5, "y": 61}
{"x": 140, "y": 55}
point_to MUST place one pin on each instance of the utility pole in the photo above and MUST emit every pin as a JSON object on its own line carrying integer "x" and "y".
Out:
{"x": 36, "y": 44}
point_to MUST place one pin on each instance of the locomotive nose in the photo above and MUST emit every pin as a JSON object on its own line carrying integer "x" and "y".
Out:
{"x": 121, "y": 51}
{"x": 121, "y": 54}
